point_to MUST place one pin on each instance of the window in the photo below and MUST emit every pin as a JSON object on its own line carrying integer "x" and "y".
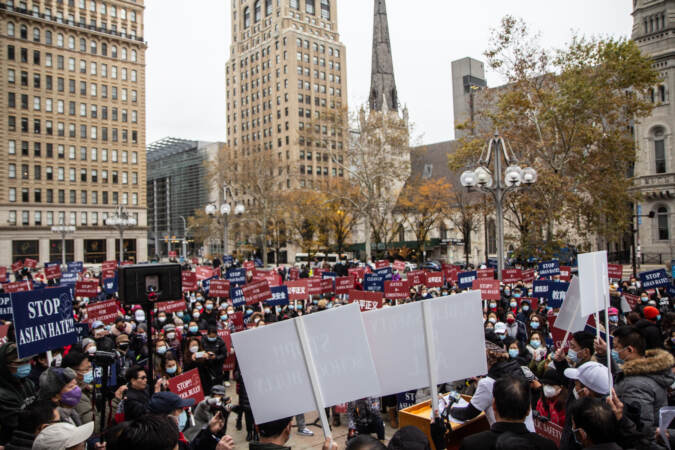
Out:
{"x": 268, "y": 7}
{"x": 247, "y": 17}
{"x": 10, "y": 29}
{"x": 295, "y": 4}
{"x": 12, "y": 194}
{"x": 257, "y": 13}
{"x": 12, "y": 217}
{"x": 325, "y": 9}
{"x": 12, "y": 171}
{"x": 309, "y": 6}
{"x": 662, "y": 220}
{"x": 659, "y": 150}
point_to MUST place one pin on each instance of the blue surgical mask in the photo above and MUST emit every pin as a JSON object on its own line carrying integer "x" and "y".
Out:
{"x": 23, "y": 371}
{"x": 88, "y": 377}
{"x": 572, "y": 355}
{"x": 182, "y": 421}
{"x": 616, "y": 357}
{"x": 507, "y": 292}
{"x": 211, "y": 339}
{"x": 193, "y": 329}
{"x": 179, "y": 313}
{"x": 517, "y": 294}
{"x": 534, "y": 325}
{"x": 249, "y": 311}
{"x": 161, "y": 350}
{"x": 513, "y": 352}
{"x": 513, "y": 304}
{"x": 526, "y": 308}
{"x": 502, "y": 336}
{"x": 614, "y": 319}
{"x": 535, "y": 344}
{"x": 209, "y": 306}
{"x": 644, "y": 299}
{"x": 223, "y": 317}
{"x": 171, "y": 370}
{"x": 493, "y": 305}
{"x": 658, "y": 317}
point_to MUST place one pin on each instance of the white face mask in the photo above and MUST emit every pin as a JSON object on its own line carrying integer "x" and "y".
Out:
{"x": 57, "y": 360}
{"x": 551, "y": 391}
{"x": 576, "y": 393}
{"x": 194, "y": 349}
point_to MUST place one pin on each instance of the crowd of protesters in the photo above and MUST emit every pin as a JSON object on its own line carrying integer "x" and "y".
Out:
{"x": 99, "y": 392}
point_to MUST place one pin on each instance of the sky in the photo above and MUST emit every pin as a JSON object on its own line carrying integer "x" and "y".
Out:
{"x": 189, "y": 42}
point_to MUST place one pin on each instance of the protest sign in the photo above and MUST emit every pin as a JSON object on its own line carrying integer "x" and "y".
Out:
{"x": 110, "y": 285}
{"x": 43, "y": 320}
{"x": 238, "y": 318}
{"x": 279, "y": 296}
{"x": 236, "y": 276}
{"x": 406, "y": 399}
{"x": 565, "y": 273}
{"x": 548, "y": 430}
{"x": 53, "y": 272}
{"x": 86, "y": 288}
{"x": 344, "y": 284}
{"x": 219, "y": 288}
{"x": 331, "y": 275}
{"x": 314, "y": 286}
{"x": 615, "y": 271}
{"x": 489, "y": 289}
{"x": 81, "y": 330}
{"x": 557, "y": 293}
{"x": 373, "y": 282}
{"x": 76, "y": 266}
{"x": 385, "y": 272}
{"x": 541, "y": 288}
{"x": 465, "y": 279}
{"x": 549, "y": 268}
{"x": 485, "y": 273}
{"x": 450, "y": 273}
{"x": 173, "y": 254}
{"x": 69, "y": 278}
{"x": 433, "y": 279}
{"x": 4, "y": 329}
{"x": 106, "y": 312}
{"x": 18, "y": 286}
{"x": 399, "y": 266}
{"x": 381, "y": 264}
{"x": 30, "y": 263}
{"x": 528, "y": 276}
{"x": 4, "y": 278}
{"x": 593, "y": 282}
{"x": 569, "y": 317}
{"x": 396, "y": 290}
{"x": 326, "y": 285}
{"x": 5, "y": 307}
{"x": 189, "y": 280}
{"x": 204, "y": 272}
{"x": 293, "y": 273}
{"x": 172, "y": 306}
{"x": 285, "y": 375}
{"x": 632, "y": 300}
{"x": 510, "y": 276}
{"x": 365, "y": 299}
{"x": 297, "y": 290}
{"x": 109, "y": 265}
{"x": 187, "y": 385}
{"x": 271, "y": 276}
{"x": 237, "y": 296}
{"x": 256, "y": 291}
{"x": 654, "y": 279}
{"x": 416, "y": 277}
{"x": 17, "y": 266}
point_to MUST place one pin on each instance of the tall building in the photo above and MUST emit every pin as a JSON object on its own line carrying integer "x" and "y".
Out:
{"x": 653, "y": 28}
{"x": 72, "y": 132}
{"x": 468, "y": 77}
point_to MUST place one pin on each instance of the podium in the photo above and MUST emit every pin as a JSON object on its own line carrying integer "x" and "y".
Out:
{"x": 419, "y": 416}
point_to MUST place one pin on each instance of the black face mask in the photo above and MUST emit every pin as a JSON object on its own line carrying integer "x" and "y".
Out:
{"x": 124, "y": 347}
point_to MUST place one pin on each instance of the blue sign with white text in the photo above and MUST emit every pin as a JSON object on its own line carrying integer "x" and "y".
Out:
{"x": 373, "y": 282}
{"x": 332, "y": 275}
{"x": 654, "y": 279}
{"x": 228, "y": 260}
{"x": 5, "y": 307}
{"x": 43, "y": 320}
{"x": 237, "y": 296}
{"x": 75, "y": 266}
{"x": 236, "y": 276}
{"x": 465, "y": 279}
{"x": 110, "y": 285}
{"x": 279, "y": 296}
{"x": 68, "y": 278}
{"x": 549, "y": 268}
{"x": 386, "y": 272}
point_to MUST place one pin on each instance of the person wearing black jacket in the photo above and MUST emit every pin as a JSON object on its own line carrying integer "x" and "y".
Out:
{"x": 216, "y": 349}
{"x": 137, "y": 395}
{"x": 209, "y": 317}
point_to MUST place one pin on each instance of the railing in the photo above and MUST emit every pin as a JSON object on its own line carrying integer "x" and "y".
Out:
{"x": 653, "y": 258}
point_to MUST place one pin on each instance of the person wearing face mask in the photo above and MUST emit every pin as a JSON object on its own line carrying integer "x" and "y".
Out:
{"x": 216, "y": 350}
{"x": 172, "y": 340}
{"x": 209, "y": 316}
{"x": 192, "y": 330}
{"x": 515, "y": 328}
{"x": 126, "y": 357}
{"x": 649, "y": 327}
{"x": 121, "y": 327}
{"x": 216, "y": 401}
{"x": 535, "y": 323}
{"x": 170, "y": 366}
{"x": 139, "y": 342}
{"x": 60, "y": 386}
{"x": 614, "y": 321}
{"x": 17, "y": 391}
{"x": 551, "y": 404}
{"x": 595, "y": 425}
{"x": 89, "y": 346}
{"x": 79, "y": 362}
{"x": 170, "y": 404}
{"x": 524, "y": 312}
{"x": 160, "y": 321}
{"x": 537, "y": 348}
{"x": 161, "y": 350}
{"x": 517, "y": 351}
{"x": 500, "y": 331}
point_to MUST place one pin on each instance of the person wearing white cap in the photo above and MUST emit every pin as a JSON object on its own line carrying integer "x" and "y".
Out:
{"x": 500, "y": 330}
{"x": 63, "y": 436}
{"x": 590, "y": 380}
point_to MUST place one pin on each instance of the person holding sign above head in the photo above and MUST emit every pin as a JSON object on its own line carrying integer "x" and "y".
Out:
{"x": 16, "y": 390}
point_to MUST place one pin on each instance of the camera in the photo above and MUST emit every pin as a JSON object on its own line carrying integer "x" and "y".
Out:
{"x": 103, "y": 358}
{"x": 143, "y": 283}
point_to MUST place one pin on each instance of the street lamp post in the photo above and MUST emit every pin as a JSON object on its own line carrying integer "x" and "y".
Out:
{"x": 482, "y": 178}
{"x": 184, "y": 237}
{"x": 211, "y": 209}
{"x": 121, "y": 220}
{"x": 63, "y": 230}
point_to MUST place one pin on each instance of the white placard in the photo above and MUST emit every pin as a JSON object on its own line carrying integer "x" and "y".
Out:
{"x": 593, "y": 282}
{"x": 569, "y": 317}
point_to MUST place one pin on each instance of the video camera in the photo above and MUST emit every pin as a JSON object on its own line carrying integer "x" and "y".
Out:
{"x": 144, "y": 283}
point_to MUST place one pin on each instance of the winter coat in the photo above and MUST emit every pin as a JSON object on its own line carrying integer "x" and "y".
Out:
{"x": 651, "y": 332}
{"x": 645, "y": 382}
{"x": 20, "y": 441}
{"x": 135, "y": 404}
{"x": 488, "y": 439}
{"x": 552, "y": 410}
{"x": 203, "y": 415}
{"x": 15, "y": 395}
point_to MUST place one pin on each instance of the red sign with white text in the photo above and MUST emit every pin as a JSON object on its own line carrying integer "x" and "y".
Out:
{"x": 271, "y": 276}
{"x": 256, "y": 291}
{"x": 204, "y": 272}
{"x": 189, "y": 281}
{"x": 106, "y": 312}
{"x": 396, "y": 290}
{"x": 368, "y": 300}
{"x": 294, "y": 273}
{"x": 314, "y": 286}
{"x": 172, "y": 254}
{"x": 219, "y": 288}
{"x": 450, "y": 273}
{"x": 485, "y": 273}
{"x": 510, "y": 276}
{"x": 489, "y": 289}
{"x": 615, "y": 271}
{"x": 30, "y": 263}
{"x": 86, "y": 288}
{"x": 380, "y": 264}
{"x": 187, "y": 385}
{"x": 109, "y": 265}
{"x": 344, "y": 284}
{"x": 357, "y": 273}
{"x": 566, "y": 273}
{"x": 3, "y": 275}
{"x": 399, "y": 265}
{"x": 416, "y": 277}
{"x": 17, "y": 266}
{"x": 171, "y": 306}
{"x": 297, "y": 290}
{"x": 52, "y": 272}
{"x": 433, "y": 279}
{"x": 549, "y": 430}
{"x": 326, "y": 285}
{"x": 528, "y": 276}
{"x": 18, "y": 286}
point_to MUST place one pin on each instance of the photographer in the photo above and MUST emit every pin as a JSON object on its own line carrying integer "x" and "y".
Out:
{"x": 364, "y": 417}
{"x": 216, "y": 402}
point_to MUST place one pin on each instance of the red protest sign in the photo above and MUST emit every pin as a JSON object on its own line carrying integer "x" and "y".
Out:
{"x": 105, "y": 274}
{"x": 17, "y": 266}
{"x": 297, "y": 290}
{"x": 271, "y": 276}
{"x": 549, "y": 430}
{"x": 326, "y": 285}
{"x": 615, "y": 271}
{"x": 230, "y": 362}
{"x": 489, "y": 289}
{"x": 172, "y": 254}
{"x": 314, "y": 286}
{"x": 399, "y": 265}
{"x": 52, "y": 272}
{"x": 294, "y": 273}
{"x": 194, "y": 261}
{"x": 86, "y": 288}
{"x": 381, "y": 264}
{"x": 18, "y": 286}
{"x": 189, "y": 281}
{"x": 171, "y": 306}
{"x": 204, "y": 272}
{"x": 450, "y": 273}
{"x": 256, "y": 291}
{"x": 433, "y": 279}
{"x": 510, "y": 276}
{"x": 416, "y": 277}
{"x": 30, "y": 263}
{"x": 3, "y": 333}
{"x": 528, "y": 276}
{"x": 238, "y": 321}
{"x": 248, "y": 265}
{"x": 396, "y": 290}
{"x": 187, "y": 385}
{"x": 367, "y": 300}
{"x": 109, "y": 265}
{"x": 565, "y": 273}
{"x": 219, "y": 288}
{"x": 485, "y": 273}
{"x": 344, "y": 284}
{"x": 3, "y": 275}
{"x": 224, "y": 334}
{"x": 106, "y": 312}
{"x": 632, "y": 300}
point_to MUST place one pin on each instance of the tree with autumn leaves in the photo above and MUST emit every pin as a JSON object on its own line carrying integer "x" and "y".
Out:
{"x": 567, "y": 113}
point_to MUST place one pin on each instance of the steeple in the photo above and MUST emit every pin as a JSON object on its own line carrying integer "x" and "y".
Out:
{"x": 382, "y": 83}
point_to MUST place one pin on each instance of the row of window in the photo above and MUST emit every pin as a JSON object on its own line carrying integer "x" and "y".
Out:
{"x": 86, "y": 218}
{"x": 72, "y": 196}
{"x": 72, "y": 108}
{"x": 103, "y": 8}
{"x": 60, "y": 174}
{"x": 90, "y": 132}
{"x": 308, "y": 170}
{"x": 71, "y": 41}
{"x": 61, "y": 152}
{"x": 654, "y": 23}
{"x": 310, "y": 7}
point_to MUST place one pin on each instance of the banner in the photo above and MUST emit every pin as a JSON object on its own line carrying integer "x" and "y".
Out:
{"x": 237, "y": 296}
{"x": 257, "y": 291}
{"x": 433, "y": 279}
{"x": 344, "y": 284}
{"x": 293, "y": 273}
{"x": 485, "y": 273}
{"x": 219, "y": 288}
{"x": 279, "y": 296}
{"x": 53, "y": 272}
{"x": 297, "y": 290}
{"x": 528, "y": 276}
{"x": 106, "y": 312}
{"x": 110, "y": 285}
{"x": 654, "y": 279}
{"x": 406, "y": 399}
{"x": 30, "y": 263}
{"x": 75, "y": 266}
{"x": 557, "y": 293}
{"x": 450, "y": 273}
{"x": 109, "y": 265}
{"x": 615, "y": 271}
{"x": 373, "y": 282}
{"x": 204, "y": 272}
{"x": 541, "y": 288}
{"x": 416, "y": 277}
{"x": 314, "y": 286}
{"x": 271, "y": 276}
{"x": 385, "y": 272}
{"x": 86, "y": 288}
{"x": 237, "y": 276}
{"x": 565, "y": 273}
{"x": 172, "y": 306}
{"x": 396, "y": 290}
{"x": 326, "y": 285}
{"x": 69, "y": 278}
{"x": 5, "y": 307}
{"x": 549, "y": 268}
{"x": 18, "y": 286}
{"x": 187, "y": 385}
{"x": 399, "y": 266}
{"x": 510, "y": 276}
{"x": 189, "y": 280}
{"x": 331, "y": 275}
{"x": 489, "y": 289}
{"x": 380, "y": 264}
{"x": 43, "y": 320}
{"x": 17, "y": 266}
{"x": 548, "y": 430}
{"x": 465, "y": 279}
{"x": 366, "y": 300}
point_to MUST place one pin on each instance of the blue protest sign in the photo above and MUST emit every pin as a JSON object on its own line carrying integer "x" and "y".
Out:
{"x": 465, "y": 279}
{"x": 68, "y": 278}
{"x": 110, "y": 285}
{"x": 81, "y": 330}
{"x": 557, "y": 293}
{"x": 492, "y": 263}
{"x": 671, "y": 291}
{"x": 549, "y": 268}
{"x": 406, "y": 399}
{"x": 332, "y": 275}
{"x": 279, "y": 296}
{"x": 386, "y": 272}
{"x": 75, "y": 266}
{"x": 237, "y": 296}
{"x": 258, "y": 262}
{"x": 654, "y": 279}
{"x": 43, "y": 320}
{"x": 38, "y": 285}
{"x": 373, "y": 282}
{"x": 237, "y": 276}
{"x": 228, "y": 260}
{"x": 541, "y": 289}
{"x": 206, "y": 285}
{"x": 5, "y": 307}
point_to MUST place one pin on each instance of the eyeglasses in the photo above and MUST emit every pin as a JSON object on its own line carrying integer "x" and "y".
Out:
{"x": 144, "y": 377}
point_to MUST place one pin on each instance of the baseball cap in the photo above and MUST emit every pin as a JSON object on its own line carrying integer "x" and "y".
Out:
{"x": 650, "y": 312}
{"x": 500, "y": 328}
{"x": 167, "y": 402}
{"x": 61, "y": 436}
{"x": 613, "y": 311}
{"x": 593, "y": 375}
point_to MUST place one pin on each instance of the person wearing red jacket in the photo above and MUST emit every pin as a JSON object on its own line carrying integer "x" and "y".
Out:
{"x": 551, "y": 405}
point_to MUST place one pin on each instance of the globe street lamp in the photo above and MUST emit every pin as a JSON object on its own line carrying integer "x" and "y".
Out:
{"x": 482, "y": 178}
{"x": 63, "y": 230}
{"x": 121, "y": 219}
{"x": 225, "y": 209}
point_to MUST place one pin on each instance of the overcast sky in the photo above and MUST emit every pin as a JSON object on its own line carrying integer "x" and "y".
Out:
{"x": 188, "y": 45}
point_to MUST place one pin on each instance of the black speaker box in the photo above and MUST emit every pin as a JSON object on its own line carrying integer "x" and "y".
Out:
{"x": 135, "y": 281}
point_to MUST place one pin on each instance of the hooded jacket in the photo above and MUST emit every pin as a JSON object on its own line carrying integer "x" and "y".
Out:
{"x": 15, "y": 395}
{"x": 644, "y": 382}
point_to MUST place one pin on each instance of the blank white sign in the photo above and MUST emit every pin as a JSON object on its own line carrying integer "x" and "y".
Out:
{"x": 593, "y": 282}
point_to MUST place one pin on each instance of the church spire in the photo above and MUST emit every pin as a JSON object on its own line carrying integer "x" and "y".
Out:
{"x": 382, "y": 83}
